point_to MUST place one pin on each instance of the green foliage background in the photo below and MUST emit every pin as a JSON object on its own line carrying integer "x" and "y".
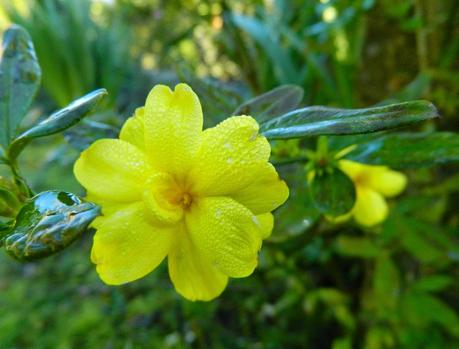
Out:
{"x": 318, "y": 285}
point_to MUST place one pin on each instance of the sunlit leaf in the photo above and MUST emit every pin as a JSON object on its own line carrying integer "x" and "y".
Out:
{"x": 20, "y": 77}
{"x": 333, "y": 193}
{"x": 272, "y": 103}
{"x": 9, "y": 203}
{"x": 405, "y": 150}
{"x": 317, "y": 120}
{"x": 47, "y": 224}
{"x": 58, "y": 121}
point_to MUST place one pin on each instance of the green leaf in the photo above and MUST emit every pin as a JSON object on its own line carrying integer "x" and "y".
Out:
{"x": 272, "y": 103}
{"x": 357, "y": 247}
{"x": 386, "y": 282}
{"x": 419, "y": 246}
{"x": 298, "y": 214}
{"x": 267, "y": 37}
{"x": 5, "y": 228}
{"x": 20, "y": 77}
{"x": 58, "y": 121}
{"x": 81, "y": 136}
{"x": 433, "y": 283}
{"x": 333, "y": 193}
{"x": 9, "y": 203}
{"x": 422, "y": 309}
{"x": 342, "y": 343}
{"x": 317, "y": 120}
{"x": 409, "y": 150}
{"x": 48, "y": 223}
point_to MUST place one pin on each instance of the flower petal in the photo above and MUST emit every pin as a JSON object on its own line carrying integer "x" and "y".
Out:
{"x": 370, "y": 207}
{"x": 266, "y": 221}
{"x": 387, "y": 182}
{"x": 225, "y": 233}
{"x": 230, "y": 156}
{"x": 133, "y": 130}
{"x": 194, "y": 277}
{"x": 113, "y": 170}
{"x": 351, "y": 168}
{"x": 126, "y": 247}
{"x": 173, "y": 128}
{"x": 380, "y": 178}
{"x": 265, "y": 193}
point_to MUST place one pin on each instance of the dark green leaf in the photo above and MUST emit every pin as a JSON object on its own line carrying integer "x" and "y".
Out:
{"x": 333, "y": 193}
{"x": 405, "y": 150}
{"x": 59, "y": 121}
{"x": 386, "y": 281}
{"x": 298, "y": 214}
{"x": 417, "y": 244}
{"x": 317, "y": 120}
{"x": 357, "y": 247}
{"x": 273, "y": 103}
{"x": 20, "y": 77}
{"x": 433, "y": 283}
{"x": 48, "y": 223}
{"x": 81, "y": 136}
{"x": 422, "y": 309}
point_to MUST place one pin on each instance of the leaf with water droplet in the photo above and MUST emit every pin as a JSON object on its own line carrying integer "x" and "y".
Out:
{"x": 333, "y": 193}
{"x": 47, "y": 224}
{"x": 58, "y": 121}
{"x": 20, "y": 76}
{"x": 318, "y": 120}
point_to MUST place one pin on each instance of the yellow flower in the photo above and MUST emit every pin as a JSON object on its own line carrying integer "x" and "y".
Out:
{"x": 373, "y": 184}
{"x": 168, "y": 188}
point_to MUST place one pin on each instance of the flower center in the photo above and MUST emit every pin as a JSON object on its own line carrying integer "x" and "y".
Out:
{"x": 361, "y": 180}
{"x": 167, "y": 198}
{"x": 180, "y": 197}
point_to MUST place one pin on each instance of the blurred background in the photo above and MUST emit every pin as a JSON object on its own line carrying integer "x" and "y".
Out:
{"x": 318, "y": 285}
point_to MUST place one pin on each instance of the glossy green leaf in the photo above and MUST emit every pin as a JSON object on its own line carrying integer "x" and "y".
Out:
{"x": 317, "y": 120}
{"x": 82, "y": 135}
{"x": 272, "y": 103}
{"x": 357, "y": 247}
{"x": 333, "y": 193}
{"x": 409, "y": 150}
{"x": 48, "y": 223}
{"x": 20, "y": 77}
{"x": 58, "y": 121}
